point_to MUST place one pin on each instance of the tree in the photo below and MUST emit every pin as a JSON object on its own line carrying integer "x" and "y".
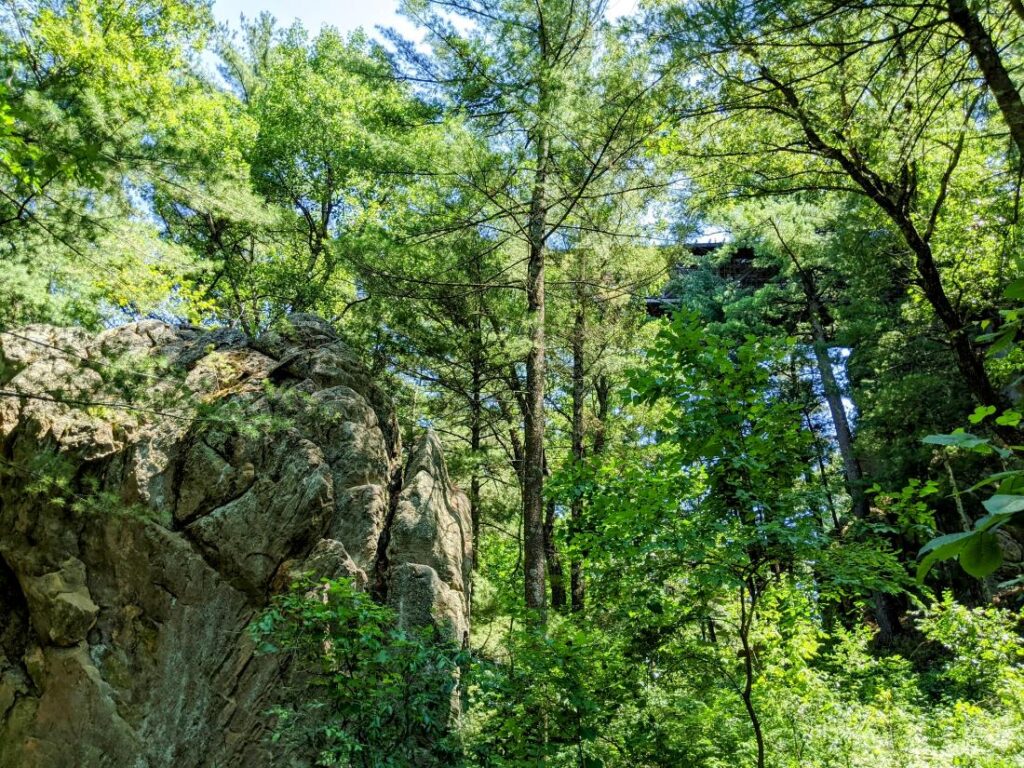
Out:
{"x": 563, "y": 126}
{"x": 89, "y": 90}
{"x": 989, "y": 60}
{"x": 598, "y": 326}
{"x": 899, "y": 149}
{"x": 309, "y": 167}
{"x": 722, "y": 523}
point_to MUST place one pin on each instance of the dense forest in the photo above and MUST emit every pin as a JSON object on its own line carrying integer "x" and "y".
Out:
{"x": 716, "y": 310}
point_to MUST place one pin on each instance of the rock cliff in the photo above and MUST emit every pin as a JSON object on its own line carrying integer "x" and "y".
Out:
{"x": 157, "y": 486}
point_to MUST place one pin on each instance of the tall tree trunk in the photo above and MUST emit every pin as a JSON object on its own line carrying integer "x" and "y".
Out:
{"x": 986, "y": 55}
{"x": 535, "y": 576}
{"x": 475, "y": 440}
{"x": 886, "y": 610}
{"x": 747, "y": 692}
{"x": 603, "y": 390}
{"x": 602, "y": 387}
{"x": 819, "y": 456}
{"x": 833, "y": 396}
{"x": 818, "y": 318}
{"x": 556, "y": 574}
{"x": 579, "y": 392}
{"x": 476, "y": 411}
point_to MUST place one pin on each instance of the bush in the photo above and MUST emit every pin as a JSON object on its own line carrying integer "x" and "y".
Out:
{"x": 369, "y": 694}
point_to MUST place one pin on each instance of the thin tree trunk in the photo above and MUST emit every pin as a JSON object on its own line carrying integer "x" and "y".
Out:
{"x": 834, "y": 398}
{"x": 556, "y": 575}
{"x": 535, "y": 576}
{"x": 476, "y": 419}
{"x": 886, "y": 610}
{"x": 747, "y": 694}
{"x": 475, "y": 441}
{"x": 476, "y": 414}
{"x": 822, "y": 474}
{"x": 969, "y": 359}
{"x": 853, "y": 477}
{"x": 603, "y": 390}
{"x": 986, "y": 55}
{"x": 579, "y": 392}
{"x": 514, "y": 439}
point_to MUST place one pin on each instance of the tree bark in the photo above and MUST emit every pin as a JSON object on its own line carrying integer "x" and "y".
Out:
{"x": 535, "y": 576}
{"x": 819, "y": 456}
{"x": 747, "y": 692}
{"x": 579, "y": 392}
{"x": 475, "y": 440}
{"x": 603, "y": 390}
{"x": 556, "y": 574}
{"x": 602, "y": 387}
{"x": 833, "y": 396}
{"x": 986, "y": 55}
{"x": 476, "y": 414}
{"x": 969, "y": 359}
{"x": 886, "y": 610}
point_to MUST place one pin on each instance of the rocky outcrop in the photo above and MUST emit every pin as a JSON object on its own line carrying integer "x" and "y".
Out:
{"x": 157, "y": 486}
{"x": 429, "y": 548}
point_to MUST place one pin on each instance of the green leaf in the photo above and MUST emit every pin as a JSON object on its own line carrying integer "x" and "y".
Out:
{"x": 991, "y": 522}
{"x": 945, "y": 547}
{"x": 1009, "y": 419}
{"x": 981, "y": 413}
{"x": 1002, "y": 504}
{"x": 941, "y": 548}
{"x": 981, "y": 555}
{"x": 1001, "y": 342}
{"x": 926, "y": 565}
{"x": 998, "y": 477}
{"x": 958, "y": 439}
{"x": 1015, "y": 290}
{"x": 1012, "y": 484}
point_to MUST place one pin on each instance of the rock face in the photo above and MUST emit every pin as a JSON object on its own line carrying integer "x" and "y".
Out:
{"x": 157, "y": 486}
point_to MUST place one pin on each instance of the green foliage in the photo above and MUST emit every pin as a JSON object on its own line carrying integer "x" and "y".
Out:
{"x": 566, "y": 686}
{"x": 50, "y": 478}
{"x": 977, "y": 549}
{"x": 653, "y": 688}
{"x": 89, "y": 89}
{"x": 746, "y": 566}
{"x": 366, "y": 691}
{"x": 987, "y": 653}
{"x": 908, "y": 511}
{"x": 736, "y": 447}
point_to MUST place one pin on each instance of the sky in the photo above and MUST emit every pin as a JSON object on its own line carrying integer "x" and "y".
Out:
{"x": 344, "y": 14}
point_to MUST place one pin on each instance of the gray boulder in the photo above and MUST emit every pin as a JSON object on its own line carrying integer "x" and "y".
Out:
{"x": 157, "y": 486}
